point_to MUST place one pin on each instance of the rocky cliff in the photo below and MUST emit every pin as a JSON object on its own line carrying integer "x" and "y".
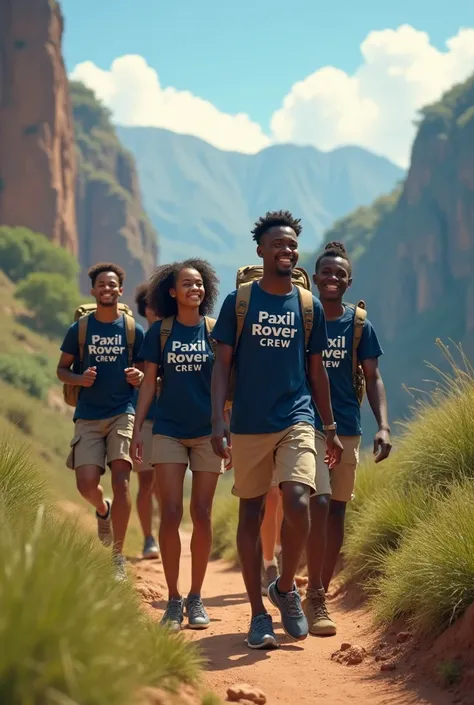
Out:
{"x": 37, "y": 156}
{"x": 413, "y": 251}
{"x": 111, "y": 222}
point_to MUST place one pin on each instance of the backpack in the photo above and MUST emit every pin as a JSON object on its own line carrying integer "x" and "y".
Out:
{"x": 165, "y": 332}
{"x": 358, "y": 377}
{"x": 81, "y": 314}
{"x": 244, "y": 280}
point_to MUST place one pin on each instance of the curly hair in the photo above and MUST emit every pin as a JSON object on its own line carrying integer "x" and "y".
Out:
{"x": 164, "y": 279}
{"x": 273, "y": 219}
{"x": 97, "y": 269}
{"x": 141, "y": 293}
{"x": 334, "y": 249}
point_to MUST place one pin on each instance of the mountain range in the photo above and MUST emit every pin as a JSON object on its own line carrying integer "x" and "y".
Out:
{"x": 203, "y": 201}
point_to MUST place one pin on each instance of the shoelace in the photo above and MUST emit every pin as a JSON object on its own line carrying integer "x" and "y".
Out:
{"x": 196, "y": 608}
{"x": 263, "y": 622}
{"x": 293, "y": 604}
{"x": 318, "y": 603}
{"x": 174, "y": 610}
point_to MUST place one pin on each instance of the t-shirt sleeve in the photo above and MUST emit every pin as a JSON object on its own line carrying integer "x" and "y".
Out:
{"x": 226, "y": 324}
{"x": 139, "y": 338}
{"x": 70, "y": 344}
{"x": 369, "y": 346}
{"x": 151, "y": 349}
{"x": 318, "y": 340}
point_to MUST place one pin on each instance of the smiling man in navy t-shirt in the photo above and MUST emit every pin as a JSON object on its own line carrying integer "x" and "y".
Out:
{"x": 333, "y": 276}
{"x": 276, "y": 380}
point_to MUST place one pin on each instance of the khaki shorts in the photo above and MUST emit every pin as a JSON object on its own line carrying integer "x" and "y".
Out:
{"x": 289, "y": 456}
{"x": 147, "y": 435}
{"x": 340, "y": 481}
{"x": 94, "y": 442}
{"x": 197, "y": 452}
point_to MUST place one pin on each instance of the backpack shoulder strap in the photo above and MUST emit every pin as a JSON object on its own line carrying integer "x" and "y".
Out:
{"x": 241, "y": 307}
{"x": 129, "y": 323}
{"x": 210, "y": 323}
{"x": 81, "y": 336}
{"x": 307, "y": 309}
{"x": 360, "y": 315}
{"x": 165, "y": 332}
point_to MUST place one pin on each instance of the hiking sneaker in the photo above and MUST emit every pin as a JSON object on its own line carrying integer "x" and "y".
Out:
{"x": 294, "y": 622}
{"x": 120, "y": 570}
{"x": 197, "y": 615}
{"x": 104, "y": 526}
{"x": 269, "y": 575}
{"x": 174, "y": 614}
{"x": 150, "y": 548}
{"x": 319, "y": 621}
{"x": 261, "y": 634}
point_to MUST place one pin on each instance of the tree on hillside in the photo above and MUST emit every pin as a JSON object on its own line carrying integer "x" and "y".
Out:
{"x": 23, "y": 252}
{"x": 52, "y": 299}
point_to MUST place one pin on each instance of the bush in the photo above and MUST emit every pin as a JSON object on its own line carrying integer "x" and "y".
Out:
{"x": 225, "y": 518}
{"x": 69, "y": 632}
{"x": 52, "y": 299}
{"x": 431, "y": 578}
{"x": 23, "y": 252}
{"x": 25, "y": 373}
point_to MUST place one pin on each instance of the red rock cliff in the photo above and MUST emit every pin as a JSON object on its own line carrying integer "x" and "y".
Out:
{"x": 37, "y": 155}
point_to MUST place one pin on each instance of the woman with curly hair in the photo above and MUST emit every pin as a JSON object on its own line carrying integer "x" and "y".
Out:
{"x": 178, "y": 349}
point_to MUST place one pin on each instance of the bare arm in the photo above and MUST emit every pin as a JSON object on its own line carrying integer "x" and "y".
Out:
{"x": 219, "y": 386}
{"x": 146, "y": 394}
{"x": 378, "y": 403}
{"x": 320, "y": 390}
{"x": 66, "y": 375}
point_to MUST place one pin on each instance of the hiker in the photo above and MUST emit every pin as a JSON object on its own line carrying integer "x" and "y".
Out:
{"x": 145, "y": 472}
{"x": 178, "y": 348}
{"x": 107, "y": 382}
{"x": 283, "y": 335}
{"x": 333, "y": 276}
{"x": 270, "y": 533}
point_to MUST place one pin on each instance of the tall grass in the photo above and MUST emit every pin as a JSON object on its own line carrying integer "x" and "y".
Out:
{"x": 225, "y": 518}
{"x": 69, "y": 633}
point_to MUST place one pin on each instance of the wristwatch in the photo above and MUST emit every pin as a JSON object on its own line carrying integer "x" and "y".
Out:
{"x": 330, "y": 427}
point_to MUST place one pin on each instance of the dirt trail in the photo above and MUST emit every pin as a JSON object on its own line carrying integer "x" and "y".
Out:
{"x": 303, "y": 673}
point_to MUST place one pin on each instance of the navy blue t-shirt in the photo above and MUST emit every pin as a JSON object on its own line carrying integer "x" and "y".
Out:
{"x": 272, "y": 391}
{"x": 183, "y": 409}
{"x": 338, "y": 362}
{"x": 106, "y": 348}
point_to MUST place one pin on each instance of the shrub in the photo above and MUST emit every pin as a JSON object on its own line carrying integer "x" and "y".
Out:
{"x": 23, "y": 252}
{"x": 225, "y": 519}
{"x": 23, "y": 372}
{"x": 69, "y": 632}
{"x": 21, "y": 416}
{"x": 52, "y": 299}
{"x": 431, "y": 578}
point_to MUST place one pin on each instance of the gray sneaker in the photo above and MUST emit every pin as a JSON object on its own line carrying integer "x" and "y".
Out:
{"x": 104, "y": 526}
{"x": 120, "y": 570}
{"x": 261, "y": 634}
{"x": 197, "y": 615}
{"x": 269, "y": 575}
{"x": 174, "y": 614}
{"x": 150, "y": 549}
{"x": 294, "y": 622}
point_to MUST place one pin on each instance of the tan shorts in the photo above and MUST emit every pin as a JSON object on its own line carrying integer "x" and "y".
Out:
{"x": 289, "y": 456}
{"x": 197, "y": 452}
{"x": 147, "y": 435}
{"x": 340, "y": 481}
{"x": 94, "y": 442}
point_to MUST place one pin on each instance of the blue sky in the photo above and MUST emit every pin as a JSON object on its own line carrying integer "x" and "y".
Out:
{"x": 244, "y": 56}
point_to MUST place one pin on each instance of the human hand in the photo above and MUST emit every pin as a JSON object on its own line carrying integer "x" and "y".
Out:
{"x": 334, "y": 450}
{"x": 220, "y": 440}
{"x": 88, "y": 377}
{"x": 133, "y": 376}
{"x": 382, "y": 445}
{"x": 136, "y": 448}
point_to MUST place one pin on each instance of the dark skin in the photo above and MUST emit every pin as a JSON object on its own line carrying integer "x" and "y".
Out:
{"x": 107, "y": 291}
{"x": 333, "y": 278}
{"x": 279, "y": 250}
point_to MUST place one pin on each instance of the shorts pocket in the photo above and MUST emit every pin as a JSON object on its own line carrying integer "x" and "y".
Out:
{"x": 70, "y": 461}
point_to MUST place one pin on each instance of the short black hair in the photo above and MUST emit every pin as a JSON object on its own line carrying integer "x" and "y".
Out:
{"x": 164, "y": 279}
{"x": 97, "y": 269}
{"x": 334, "y": 249}
{"x": 141, "y": 293}
{"x": 273, "y": 219}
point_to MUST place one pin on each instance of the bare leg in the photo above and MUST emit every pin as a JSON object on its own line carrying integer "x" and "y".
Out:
{"x": 169, "y": 480}
{"x": 202, "y": 496}
{"x": 146, "y": 479}
{"x": 88, "y": 484}
{"x": 250, "y": 549}
{"x": 269, "y": 530}
{"x": 122, "y": 503}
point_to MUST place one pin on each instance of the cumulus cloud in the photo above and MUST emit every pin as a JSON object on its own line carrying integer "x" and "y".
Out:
{"x": 400, "y": 72}
{"x": 132, "y": 90}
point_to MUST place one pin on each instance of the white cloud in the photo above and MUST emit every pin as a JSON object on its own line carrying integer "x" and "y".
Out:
{"x": 401, "y": 71}
{"x": 132, "y": 90}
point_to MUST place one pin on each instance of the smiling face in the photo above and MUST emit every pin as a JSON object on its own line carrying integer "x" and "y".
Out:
{"x": 279, "y": 250}
{"x": 107, "y": 289}
{"x": 189, "y": 289}
{"x": 333, "y": 278}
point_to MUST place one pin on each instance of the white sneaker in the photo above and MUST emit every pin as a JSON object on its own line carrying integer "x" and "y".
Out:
{"x": 104, "y": 526}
